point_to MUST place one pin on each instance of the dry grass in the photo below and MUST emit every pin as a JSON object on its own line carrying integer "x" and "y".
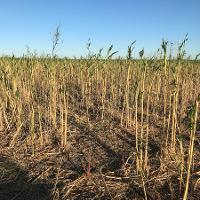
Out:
{"x": 99, "y": 128}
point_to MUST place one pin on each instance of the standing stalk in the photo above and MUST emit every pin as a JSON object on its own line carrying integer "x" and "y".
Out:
{"x": 193, "y": 126}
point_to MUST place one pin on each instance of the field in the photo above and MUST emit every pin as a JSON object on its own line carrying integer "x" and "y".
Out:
{"x": 100, "y": 128}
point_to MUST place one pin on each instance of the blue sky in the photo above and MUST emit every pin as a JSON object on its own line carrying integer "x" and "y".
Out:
{"x": 105, "y": 22}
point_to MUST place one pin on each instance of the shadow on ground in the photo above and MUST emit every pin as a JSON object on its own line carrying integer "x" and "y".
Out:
{"x": 16, "y": 184}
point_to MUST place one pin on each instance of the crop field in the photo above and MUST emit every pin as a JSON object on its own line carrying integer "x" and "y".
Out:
{"x": 100, "y": 127}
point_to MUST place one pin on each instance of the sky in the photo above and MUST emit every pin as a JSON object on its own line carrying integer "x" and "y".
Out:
{"x": 119, "y": 22}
